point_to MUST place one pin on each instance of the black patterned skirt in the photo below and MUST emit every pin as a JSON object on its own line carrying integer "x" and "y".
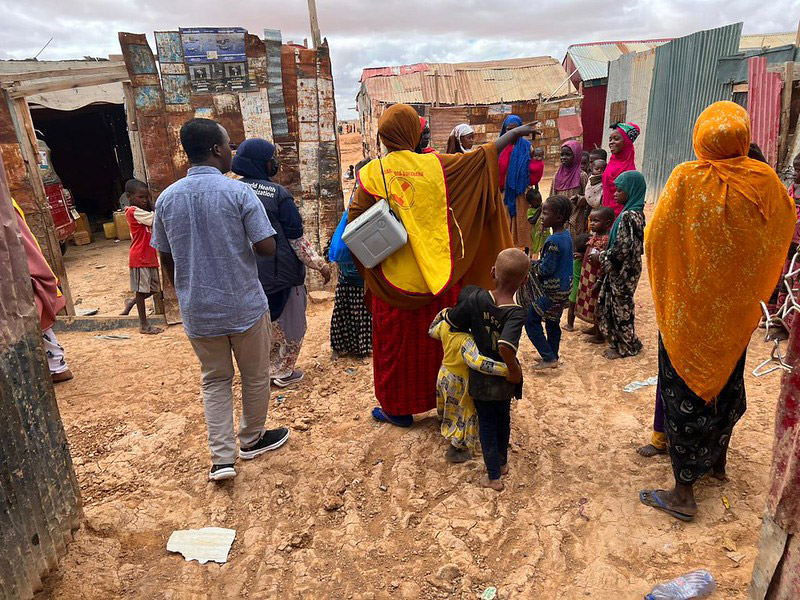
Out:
{"x": 351, "y": 323}
{"x": 698, "y": 431}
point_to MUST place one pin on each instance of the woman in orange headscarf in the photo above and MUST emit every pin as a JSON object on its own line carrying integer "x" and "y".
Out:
{"x": 456, "y": 224}
{"x": 715, "y": 248}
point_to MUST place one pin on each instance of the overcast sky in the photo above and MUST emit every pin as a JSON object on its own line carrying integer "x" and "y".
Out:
{"x": 364, "y": 33}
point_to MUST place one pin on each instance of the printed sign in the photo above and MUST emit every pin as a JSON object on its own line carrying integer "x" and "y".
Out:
{"x": 216, "y": 58}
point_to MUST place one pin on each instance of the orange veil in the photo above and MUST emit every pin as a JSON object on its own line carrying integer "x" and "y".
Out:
{"x": 715, "y": 248}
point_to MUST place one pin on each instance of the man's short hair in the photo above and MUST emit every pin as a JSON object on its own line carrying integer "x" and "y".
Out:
{"x": 198, "y": 136}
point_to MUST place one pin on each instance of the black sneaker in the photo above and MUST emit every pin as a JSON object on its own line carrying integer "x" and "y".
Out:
{"x": 271, "y": 440}
{"x": 221, "y": 472}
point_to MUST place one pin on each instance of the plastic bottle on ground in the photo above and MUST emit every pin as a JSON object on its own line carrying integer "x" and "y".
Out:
{"x": 697, "y": 584}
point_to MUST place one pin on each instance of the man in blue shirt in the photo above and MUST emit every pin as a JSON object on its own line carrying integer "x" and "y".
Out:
{"x": 206, "y": 229}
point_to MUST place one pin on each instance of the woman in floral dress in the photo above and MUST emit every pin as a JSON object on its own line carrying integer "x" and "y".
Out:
{"x": 622, "y": 265}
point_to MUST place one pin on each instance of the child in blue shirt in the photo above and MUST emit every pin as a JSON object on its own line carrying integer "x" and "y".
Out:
{"x": 550, "y": 283}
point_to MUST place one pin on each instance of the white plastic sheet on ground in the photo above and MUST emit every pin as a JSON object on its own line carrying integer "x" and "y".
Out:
{"x": 203, "y": 545}
{"x": 636, "y": 385}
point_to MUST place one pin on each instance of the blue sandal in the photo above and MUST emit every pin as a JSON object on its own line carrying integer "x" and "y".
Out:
{"x": 650, "y": 498}
{"x": 399, "y": 420}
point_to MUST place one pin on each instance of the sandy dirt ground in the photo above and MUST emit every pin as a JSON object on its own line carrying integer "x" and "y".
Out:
{"x": 98, "y": 275}
{"x": 354, "y": 509}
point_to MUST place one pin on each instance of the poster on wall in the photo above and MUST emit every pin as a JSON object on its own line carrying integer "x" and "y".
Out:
{"x": 215, "y": 58}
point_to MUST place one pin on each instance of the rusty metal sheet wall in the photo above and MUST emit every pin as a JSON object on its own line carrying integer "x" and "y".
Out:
{"x": 255, "y": 114}
{"x": 38, "y": 489}
{"x": 290, "y": 103}
{"x": 18, "y": 181}
{"x": 684, "y": 84}
{"x": 150, "y": 110}
{"x": 320, "y": 201}
{"x": 764, "y": 106}
{"x": 442, "y": 121}
{"x": 288, "y": 147}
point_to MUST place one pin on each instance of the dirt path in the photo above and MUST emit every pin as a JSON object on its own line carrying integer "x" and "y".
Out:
{"x": 98, "y": 275}
{"x": 353, "y": 509}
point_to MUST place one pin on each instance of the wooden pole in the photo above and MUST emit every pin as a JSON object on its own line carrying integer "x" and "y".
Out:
{"x": 436, "y": 87}
{"x": 797, "y": 35}
{"x": 316, "y": 38}
{"x": 786, "y": 106}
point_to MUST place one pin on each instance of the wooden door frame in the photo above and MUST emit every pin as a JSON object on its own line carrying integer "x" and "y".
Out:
{"x": 16, "y": 87}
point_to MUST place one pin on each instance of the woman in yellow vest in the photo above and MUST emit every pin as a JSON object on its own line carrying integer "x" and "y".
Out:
{"x": 456, "y": 224}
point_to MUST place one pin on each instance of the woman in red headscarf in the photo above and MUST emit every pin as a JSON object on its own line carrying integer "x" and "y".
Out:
{"x": 623, "y": 158}
{"x": 456, "y": 224}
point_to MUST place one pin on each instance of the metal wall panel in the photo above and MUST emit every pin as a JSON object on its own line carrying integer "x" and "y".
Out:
{"x": 684, "y": 84}
{"x": 629, "y": 79}
{"x": 291, "y": 102}
{"x": 733, "y": 69}
{"x": 442, "y": 121}
{"x": 592, "y": 59}
{"x": 764, "y": 106}
{"x": 39, "y": 493}
{"x": 592, "y": 109}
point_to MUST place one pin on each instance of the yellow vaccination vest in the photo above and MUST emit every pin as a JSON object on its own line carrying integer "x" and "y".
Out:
{"x": 418, "y": 196}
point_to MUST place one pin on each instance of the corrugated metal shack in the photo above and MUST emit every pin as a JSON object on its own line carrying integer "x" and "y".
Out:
{"x": 282, "y": 92}
{"x": 684, "y": 84}
{"x": 39, "y": 494}
{"x": 481, "y": 94}
{"x": 587, "y": 66}
{"x": 766, "y": 81}
{"x": 665, "y": 89}
{"x": 628, "y": 97}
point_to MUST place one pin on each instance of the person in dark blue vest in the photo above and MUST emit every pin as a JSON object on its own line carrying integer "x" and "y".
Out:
{"x": 282, "y": 276}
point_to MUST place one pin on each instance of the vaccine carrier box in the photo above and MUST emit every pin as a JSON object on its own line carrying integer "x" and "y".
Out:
{"x": 376, "y": 234}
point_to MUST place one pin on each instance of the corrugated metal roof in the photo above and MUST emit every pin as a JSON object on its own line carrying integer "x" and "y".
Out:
{"x": 476, "y": 83}
{"x": 629, "y": 79}
{"x": 766, "y": 40}
{"x": 734, "y": 68}
{"x": 592, "y": 59}
{"x": 764, "y": 106}
{"x": 684, "y": 84}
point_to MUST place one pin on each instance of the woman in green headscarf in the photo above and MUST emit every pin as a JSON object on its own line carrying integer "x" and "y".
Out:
{"x": 622, "y": 266}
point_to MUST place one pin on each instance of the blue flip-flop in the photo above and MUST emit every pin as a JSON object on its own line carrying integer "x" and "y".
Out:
{"x": 651, "y": 499}
{"x": 400, "y": 421}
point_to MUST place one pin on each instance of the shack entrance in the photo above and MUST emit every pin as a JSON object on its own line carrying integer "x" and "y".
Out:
{"x": 90, "y": 152}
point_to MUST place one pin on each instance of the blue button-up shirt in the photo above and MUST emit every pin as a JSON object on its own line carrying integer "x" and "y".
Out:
{"x": 207, "y": 222}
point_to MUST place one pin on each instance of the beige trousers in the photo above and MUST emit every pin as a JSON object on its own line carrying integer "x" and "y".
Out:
{"x": 251, "y": 349}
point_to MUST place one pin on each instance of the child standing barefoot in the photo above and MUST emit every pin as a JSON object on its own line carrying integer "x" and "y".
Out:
{"x": 600, "y": 221}
{"x": 550, "y": 283}
{"x": 577, "y": 263}
{"x": 143, "y": 259}
{"x": 455, "y": 406}
{"x": 495, "y": 321}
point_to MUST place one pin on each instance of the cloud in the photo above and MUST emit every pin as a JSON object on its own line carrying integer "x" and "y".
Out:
{"x": 365, "y": 33}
